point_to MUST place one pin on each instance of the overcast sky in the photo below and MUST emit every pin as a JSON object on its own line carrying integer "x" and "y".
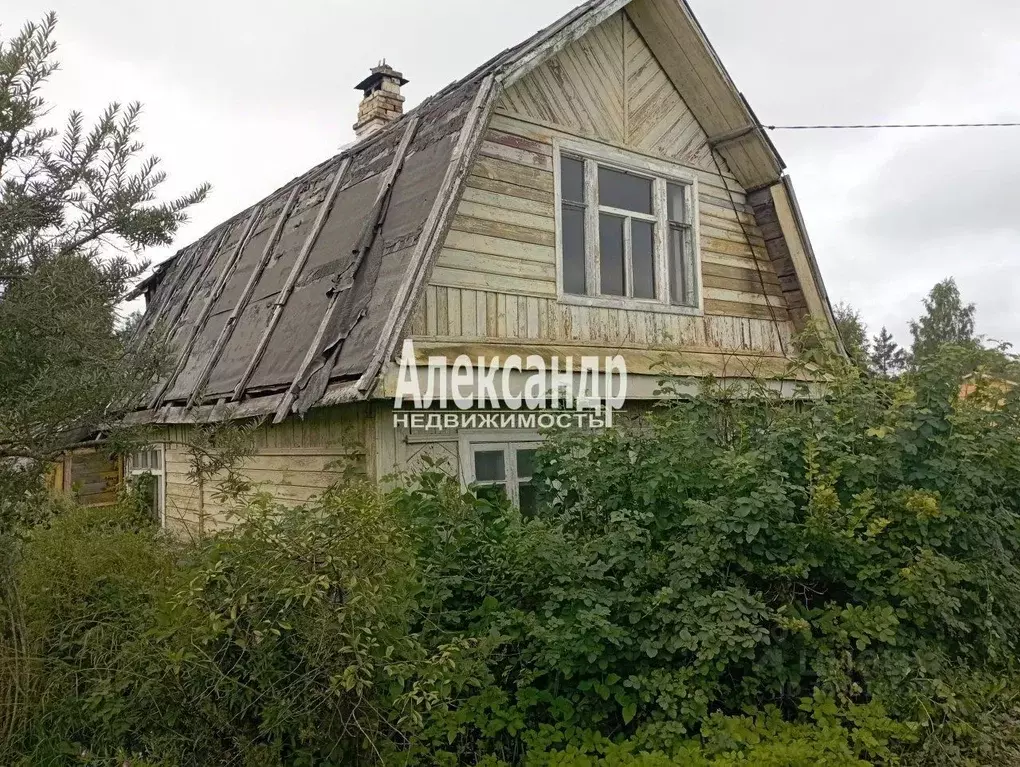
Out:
{"x": 247, "y": 94}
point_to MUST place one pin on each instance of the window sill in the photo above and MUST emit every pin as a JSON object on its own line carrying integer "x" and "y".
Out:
{"x": 630, "y": 304}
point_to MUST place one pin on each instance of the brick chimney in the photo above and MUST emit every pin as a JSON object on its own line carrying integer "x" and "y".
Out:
{"x": 382, "y": 103}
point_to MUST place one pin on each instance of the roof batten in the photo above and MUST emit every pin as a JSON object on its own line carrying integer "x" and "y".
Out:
{"x": 242, "y": 301}
{"x": 365, "y": 241}
{"x": 299, "y": 264}
{"x": 199, "y": 325}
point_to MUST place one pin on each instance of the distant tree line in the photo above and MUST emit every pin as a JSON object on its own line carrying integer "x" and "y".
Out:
{"x": 946, "y": 320}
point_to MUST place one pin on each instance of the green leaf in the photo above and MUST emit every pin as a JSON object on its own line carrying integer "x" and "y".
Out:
{"x": 629, "y": 711}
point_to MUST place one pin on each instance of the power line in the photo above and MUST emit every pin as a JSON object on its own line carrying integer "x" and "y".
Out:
{"x": 872, "y": 126}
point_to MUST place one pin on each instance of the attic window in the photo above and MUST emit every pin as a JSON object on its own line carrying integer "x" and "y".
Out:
{"x": 627, "y": 230}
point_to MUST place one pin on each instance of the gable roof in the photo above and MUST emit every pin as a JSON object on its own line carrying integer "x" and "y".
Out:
{"x": 299, "y": 300}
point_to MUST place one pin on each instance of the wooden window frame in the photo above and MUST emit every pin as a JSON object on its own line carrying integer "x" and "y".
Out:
{"x": 159, "y": 474}
{"x": 507, "y": 441}
{"x": 594, "y": 155}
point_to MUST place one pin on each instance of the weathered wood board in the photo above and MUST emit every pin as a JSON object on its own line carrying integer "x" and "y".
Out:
{"x": 496, "y": 276}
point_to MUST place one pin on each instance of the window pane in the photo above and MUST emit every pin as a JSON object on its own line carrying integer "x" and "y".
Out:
{"x": 145, "y": 459}
{"x": 529, "y": 499}
{"x": 493, "y": 493}
{"x": 573, "y": 250}
{"x": 624, "y": 190}
{"x": 681, "y": 276}
{"x": 676, "y": 203}
{"x": 642, "y": 251}
{"x": 613, "y": 279}
{"x": 147, "y": 488}
{"x": 526, "y": 463}
{"x": 489, "y": 466}
{"x": 572, "y": 179}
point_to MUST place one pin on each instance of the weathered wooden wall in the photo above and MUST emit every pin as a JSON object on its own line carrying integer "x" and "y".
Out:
{"x": 496, "y": 275}
{"x": 456, "y": 312}
{"x": 92, "y": 476}
{"x": 400, "y": 451}
{"x": 294, "y": 461}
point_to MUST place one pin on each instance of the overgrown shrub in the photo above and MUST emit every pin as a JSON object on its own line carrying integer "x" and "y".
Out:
{"x": 88, "y": 581}
{"x": 850, "y": 560}
{"x": 279, "y": 635}
{"x": 731, "y": 579}
{"x": 282, "y": 642}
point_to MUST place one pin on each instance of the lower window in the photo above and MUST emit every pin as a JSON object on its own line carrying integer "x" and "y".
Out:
{"x": 145, "y": 473}
{"x": 502, "y": 469}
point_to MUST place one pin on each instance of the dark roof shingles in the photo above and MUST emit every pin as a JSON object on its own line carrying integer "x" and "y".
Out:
{"x": 184, "y": 283}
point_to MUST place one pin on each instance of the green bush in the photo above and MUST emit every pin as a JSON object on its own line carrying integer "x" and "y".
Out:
{"x": 88, "y": 581}
{"x": 282, "y": 642}
{"x": 277, "y": 636}
{"x": 852, "y": 557}
{"x": 732, "y": 579}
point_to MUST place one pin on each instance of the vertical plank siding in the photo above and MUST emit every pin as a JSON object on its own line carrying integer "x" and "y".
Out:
{"x": 496, "y": 274}
{"x": 537, "y": 318}
{"x": 401, "y": 451}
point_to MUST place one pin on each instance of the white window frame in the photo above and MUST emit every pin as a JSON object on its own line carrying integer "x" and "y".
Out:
{"x": 507, "y": 441}
{"x": 660, "y": 173}
{"x": 159, "y": 474}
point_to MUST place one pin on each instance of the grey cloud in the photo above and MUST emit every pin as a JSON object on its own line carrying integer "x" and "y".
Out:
{"x": 945, "y": 187}
{"x": 891, "y": 213}
{"x": 810, "y": 61}
{"x": 249, "y": 93}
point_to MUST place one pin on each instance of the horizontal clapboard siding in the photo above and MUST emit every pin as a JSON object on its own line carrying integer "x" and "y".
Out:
{"x": 293, "y": 461}
{"x": 496, "y": 275}
{"x": 503, "y": 236}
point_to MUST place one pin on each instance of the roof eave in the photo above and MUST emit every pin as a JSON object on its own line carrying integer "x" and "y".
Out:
{"x": 809, "y": 251}
{"x": 675, "y": 36}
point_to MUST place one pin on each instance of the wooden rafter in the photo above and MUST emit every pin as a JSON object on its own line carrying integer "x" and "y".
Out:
{"x": 299, "y": 264}
{"x": 242, "y": 301}
{"x": 434, "y": 232}
{"x": 364, "y": 244}
{"x": 572, "y": 27}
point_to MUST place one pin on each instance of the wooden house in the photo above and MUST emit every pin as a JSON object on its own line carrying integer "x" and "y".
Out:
{"x": 603, "y": 187}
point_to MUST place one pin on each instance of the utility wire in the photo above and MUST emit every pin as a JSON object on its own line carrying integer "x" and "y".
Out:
{"x": 870, "y": 126}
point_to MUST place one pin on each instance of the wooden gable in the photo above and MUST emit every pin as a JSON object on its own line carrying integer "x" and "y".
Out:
{"x": 495, "y": 279}
{"x": 443, "y": 227}
{"x": 609, "y": 86}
